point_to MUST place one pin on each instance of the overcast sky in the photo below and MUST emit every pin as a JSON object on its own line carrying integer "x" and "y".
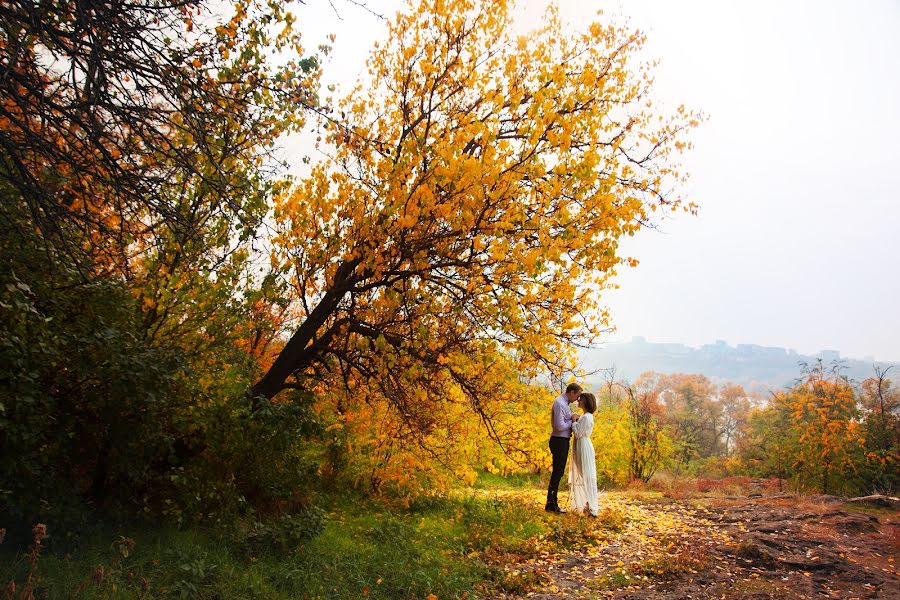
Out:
{"x": 796, "y": 169}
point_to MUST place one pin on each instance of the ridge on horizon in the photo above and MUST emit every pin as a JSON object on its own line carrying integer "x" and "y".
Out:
{"x": 747, "y": 364}
{"x": 824, "y": 352}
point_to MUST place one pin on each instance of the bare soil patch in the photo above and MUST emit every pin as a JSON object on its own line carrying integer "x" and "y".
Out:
{"x": 736, "y": 548}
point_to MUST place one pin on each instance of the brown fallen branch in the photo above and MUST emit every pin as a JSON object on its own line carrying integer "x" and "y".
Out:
{"x": 878, "y": 500}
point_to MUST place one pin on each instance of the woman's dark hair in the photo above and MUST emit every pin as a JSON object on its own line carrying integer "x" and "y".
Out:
{"x": 589, "y": 402}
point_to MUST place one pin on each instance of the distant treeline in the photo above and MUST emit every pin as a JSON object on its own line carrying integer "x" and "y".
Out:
{"x": 822, "y": 434}
{"x": 757, "y": 367}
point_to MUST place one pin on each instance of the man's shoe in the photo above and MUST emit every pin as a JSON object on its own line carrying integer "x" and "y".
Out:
{"x": 554, "y": 509}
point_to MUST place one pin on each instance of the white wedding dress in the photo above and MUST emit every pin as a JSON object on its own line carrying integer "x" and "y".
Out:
{"x": 583, "y": 467}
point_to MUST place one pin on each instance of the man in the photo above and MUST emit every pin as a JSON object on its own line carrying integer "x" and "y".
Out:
{"x": 561, "y": 421}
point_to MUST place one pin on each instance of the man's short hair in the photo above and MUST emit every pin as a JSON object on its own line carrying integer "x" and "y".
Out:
{"x": 573, "y": 387}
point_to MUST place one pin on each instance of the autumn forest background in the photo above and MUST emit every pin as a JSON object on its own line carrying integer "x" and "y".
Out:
{"x": 221, "y": 380}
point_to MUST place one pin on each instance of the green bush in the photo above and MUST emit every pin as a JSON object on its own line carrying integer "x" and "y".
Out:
{"x": 101, "y": 420}
{"x": 85, "y": 402}
{"x": 285, "y": 534}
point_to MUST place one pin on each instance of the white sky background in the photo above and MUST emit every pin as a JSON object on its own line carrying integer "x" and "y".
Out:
{"x": 795, "y": 170}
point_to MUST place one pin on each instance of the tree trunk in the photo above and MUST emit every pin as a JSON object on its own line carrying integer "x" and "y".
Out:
{"x": 297, "y": 354}
{"x": 99, "y": 485}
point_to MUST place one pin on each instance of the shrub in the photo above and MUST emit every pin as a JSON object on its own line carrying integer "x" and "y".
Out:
{"x": 85, "y": 401}
{"x": 98, "y": 419}
{"x": 285, "y": 534}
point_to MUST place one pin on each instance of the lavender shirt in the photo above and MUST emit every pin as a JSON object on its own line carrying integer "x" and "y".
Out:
{"x": 561, "y": 417}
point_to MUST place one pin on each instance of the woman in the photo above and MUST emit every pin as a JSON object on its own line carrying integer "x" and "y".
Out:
{"x": 583, "y": 472}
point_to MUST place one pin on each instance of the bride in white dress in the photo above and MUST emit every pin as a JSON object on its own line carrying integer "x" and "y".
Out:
{"x": 583, "y": 469}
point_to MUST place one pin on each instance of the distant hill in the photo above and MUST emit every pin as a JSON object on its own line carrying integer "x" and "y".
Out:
{"x": 753, "y": 366}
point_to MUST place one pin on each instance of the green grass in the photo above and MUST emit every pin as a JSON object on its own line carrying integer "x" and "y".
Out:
{"x": 490, "y": 481}
{"x": 441, "y": 546}
{"x": 869, "y": 509}
{"x": 448, "y": 546}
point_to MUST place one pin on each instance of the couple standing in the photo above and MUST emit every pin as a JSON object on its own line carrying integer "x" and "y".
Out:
{"x": 583, "y": 471}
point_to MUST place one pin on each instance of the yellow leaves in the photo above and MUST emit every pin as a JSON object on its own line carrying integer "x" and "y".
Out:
{"x": 442, "y": 210}
{"x": 467, "y": 475}
{"x": 229, "y": 31}
{"x": 498, "y": 251}
{"x": 406, "y": 221}
{"x": 823, "y": 432}
{"x": 484, "y": 191}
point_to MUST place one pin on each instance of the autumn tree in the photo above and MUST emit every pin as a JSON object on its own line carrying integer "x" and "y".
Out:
{"x": 469, "y": 214}
{"x": 647, "y": 442}
{"x": 136, "y": 169}
{"x": 880, "y": 402}
{"x": 824, "y": 426}
{"x": 691, "y": 414}
{"x": 735, "y": 407}
{"x": 767, "y": 447}
{"x": 390, "y": 454}
{"x": 138, "y": 140}
{"x": 127, "y": 124}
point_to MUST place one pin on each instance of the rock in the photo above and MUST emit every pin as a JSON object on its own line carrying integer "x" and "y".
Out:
{"x": 802, "y": 563}
{"x": 768, "y": 527}
{"x": 826, "y": 499}
{"x": 752, "y": 552}
{"x": 856, "y": 524}
{"x": 807, "y": 516}
{"x": 781, "y": 497}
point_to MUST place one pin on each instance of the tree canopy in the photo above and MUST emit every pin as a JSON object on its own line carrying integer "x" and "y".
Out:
{"x": 469, "y": 212}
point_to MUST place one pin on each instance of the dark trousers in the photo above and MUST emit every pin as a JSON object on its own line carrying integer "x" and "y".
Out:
{"x": 559, "y": 448}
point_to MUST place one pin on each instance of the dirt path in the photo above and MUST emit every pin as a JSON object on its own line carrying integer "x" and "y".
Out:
{"x": 742, "y": 548}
